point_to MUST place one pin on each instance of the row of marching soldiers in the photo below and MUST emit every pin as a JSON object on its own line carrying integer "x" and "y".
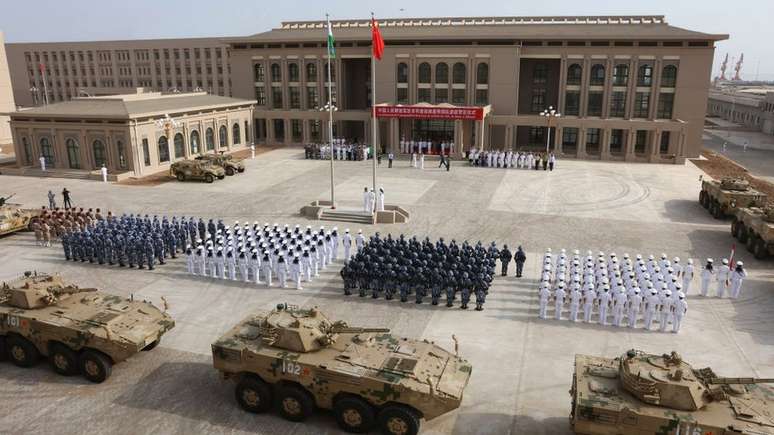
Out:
{"x": 262, "y": 254}
{"x": 619, "y": 291}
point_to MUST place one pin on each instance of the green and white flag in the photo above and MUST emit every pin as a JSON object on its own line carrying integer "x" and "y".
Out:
{"x": 331, "y": 42}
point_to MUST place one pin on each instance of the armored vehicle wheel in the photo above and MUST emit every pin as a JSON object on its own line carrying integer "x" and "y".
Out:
{"x": 294, "y": 403}
{"x": 21, "y": 352}
{"x": 229, "y": 171}
{"x": 63, "y": 360}
{"x": 253, "y": 395}
{"x": 760, "y": 251}
{"x": 398, "y": 420}
{"x": 354, "y": 415}
{"x": 741, "y": 232}
{"x": 209, "y": 178}
{"x": 95, "y": 366}
{"x": 152, "y": 345}
{"x": 180, "y": 176}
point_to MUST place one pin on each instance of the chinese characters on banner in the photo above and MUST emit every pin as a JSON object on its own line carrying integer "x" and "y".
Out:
{"x": 460, "y": 113}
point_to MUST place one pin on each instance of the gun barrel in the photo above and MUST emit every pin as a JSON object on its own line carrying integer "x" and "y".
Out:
{"x": 741, "y": 380}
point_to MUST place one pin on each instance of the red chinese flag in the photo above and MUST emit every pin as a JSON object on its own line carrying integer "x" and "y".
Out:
{"x": 376, "y": 40}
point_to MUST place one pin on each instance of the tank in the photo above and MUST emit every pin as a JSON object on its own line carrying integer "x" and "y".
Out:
{"x": 722, "y": 198}
{"x": 301, "y": 360}
{"x": 14, "y": 218}
{"x": 196, "y": 170}
{"x": 754, "y": 226}
{"x": 641, "y": 393}
{"x": 80, "y": 330}
{"x": 230, "y": 164}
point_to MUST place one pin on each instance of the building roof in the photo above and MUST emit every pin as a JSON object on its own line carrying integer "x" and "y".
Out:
{"x": 132, "y": 106}
{"x": 651, "y": 27}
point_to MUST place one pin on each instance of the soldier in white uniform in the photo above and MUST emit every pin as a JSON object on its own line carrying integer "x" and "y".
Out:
{"x": 722, "y": 278}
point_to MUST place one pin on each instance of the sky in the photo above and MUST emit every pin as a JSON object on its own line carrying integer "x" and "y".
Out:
{"x": 747, "y": 23}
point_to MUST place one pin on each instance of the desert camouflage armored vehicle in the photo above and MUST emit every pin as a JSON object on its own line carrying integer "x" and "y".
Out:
{"x": 14, "y": 218}
{"x": 196, "y": 170}
{"x": 299, "y": 359}
{"x": 639, "y": 393}
{"x": 754, "y": 227}
{"x": 723, "y": 197}
{"x": 78, "y": 329}
{"x": 225, "y": 161}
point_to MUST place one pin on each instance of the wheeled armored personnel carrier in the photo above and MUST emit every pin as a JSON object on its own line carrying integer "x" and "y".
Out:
{"x": 722, "y": 198}
{"x": 78, "y": 329}
{"x": 299, "y": 359}
{"x": 196, "y": 170}
{"x": 754, "y": 227}
{"x": 640, "y": 393}
{"x": 230, "y": 164}
{"x": 14, "y": 218}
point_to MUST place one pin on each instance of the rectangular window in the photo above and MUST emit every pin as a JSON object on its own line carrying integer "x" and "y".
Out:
{"x": 642, "y": 105}
{"x": 538, "y": 100}
{"x": 295, "y": 97}
{"x": 146, "y": 151}
{"x": 423, "y": 95}
{"x": 402, "y": 96}
{"x": 572, "y": 103}
{"x": 617, "y": 104}
{"x": 276, "y": 97}
{"x": 595, "y": 104}
{"x": 482, "y": 97}
{"x": 441, "y": 95}
{"x": 458, "y": 96}
{"x": 296, "y": 130}
{"x": 312, "y": 101}
{"x": 666, "y": 102}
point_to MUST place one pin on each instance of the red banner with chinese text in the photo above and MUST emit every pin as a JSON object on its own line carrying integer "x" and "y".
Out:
{"x": 457, "y": 113}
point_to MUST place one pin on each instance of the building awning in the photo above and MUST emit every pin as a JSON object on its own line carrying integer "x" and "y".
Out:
{"x": 432, "y": 111}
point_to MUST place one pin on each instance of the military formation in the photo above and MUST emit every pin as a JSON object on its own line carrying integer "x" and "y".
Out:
{"x": 621, "y": 292}
{"x": 509, "y": 160}
{"x": 405, "y": 267}
{"x": 260, "y": 254}
{"x": 342, "y": 150}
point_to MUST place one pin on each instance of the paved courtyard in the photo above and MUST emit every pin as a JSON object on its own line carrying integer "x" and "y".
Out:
{"x": 522, "y": 366}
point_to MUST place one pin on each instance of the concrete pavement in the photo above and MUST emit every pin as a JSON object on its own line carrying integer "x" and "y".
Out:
{"x": 522, "y": 366}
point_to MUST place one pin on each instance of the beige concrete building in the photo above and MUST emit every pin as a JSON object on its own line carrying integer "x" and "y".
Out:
{"x": 132, "y": 134}
{"x": 628, "y": 88}
{"x": 7, "y": 103}
{"x": 94, "y": 68}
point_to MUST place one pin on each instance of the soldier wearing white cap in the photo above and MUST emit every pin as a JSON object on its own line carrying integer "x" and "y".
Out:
{"x": 722, "y": 278}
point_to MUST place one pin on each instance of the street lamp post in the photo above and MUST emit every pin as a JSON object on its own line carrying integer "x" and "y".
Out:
{"x": 330, "y": 108}
{"x": 550, "y": 114}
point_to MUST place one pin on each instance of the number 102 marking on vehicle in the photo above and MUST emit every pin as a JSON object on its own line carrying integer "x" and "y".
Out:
{"x": 291, "y": 367}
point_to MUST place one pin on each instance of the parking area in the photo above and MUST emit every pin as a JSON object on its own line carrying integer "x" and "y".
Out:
{"x": 522, "y": 366}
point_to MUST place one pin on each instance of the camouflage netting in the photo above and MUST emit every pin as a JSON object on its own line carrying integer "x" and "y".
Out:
{"x": 731, "y": 183}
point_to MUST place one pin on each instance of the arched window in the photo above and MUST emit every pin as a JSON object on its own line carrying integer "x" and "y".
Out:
{"x": 424, "y": 72}
{"x": 258, "y": 72}
{"x": 47, "y": 151}
{"x": 121, "y": 147}
{"x": 458, "y": 73}
{"x": 194, "y": 142}
{"x": 311, "y": 72}
{"x": 597, "y": 75}
{"x": 179, "y": 146}
{"x": 27, "y": 151}
{"x": 293, "y": 75}
{"x": 276, "y": 73}
{"x": 209, "y": 137}
{"x": 402, "y": 73}
{"x": 442, "y": 74}
{"x": 669, "y": 76}
{"x": 574, "y": 73}
{"x": 482, "y": 74}
{"x": 163, "y": 149}
{"x": 645, "y": 75}
{"x": 73, "y": 154}
{"x": 98, "y": 148}
{"x": 237, "y": 138}
{"x": 621, "y": 75}
{"x": 223, "y": 136}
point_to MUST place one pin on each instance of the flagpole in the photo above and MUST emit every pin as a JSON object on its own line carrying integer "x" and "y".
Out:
{"x": 330, "y": 113}
{"x": 373, "y": 110}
